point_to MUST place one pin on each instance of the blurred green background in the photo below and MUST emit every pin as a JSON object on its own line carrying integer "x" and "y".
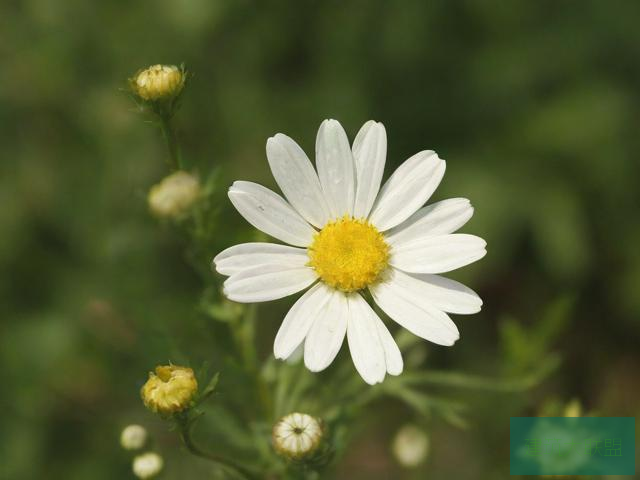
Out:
{"x": 535, "y": 105}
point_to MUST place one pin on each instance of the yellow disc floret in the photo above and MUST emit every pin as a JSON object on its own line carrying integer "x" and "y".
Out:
{"x": 349, "y": 254}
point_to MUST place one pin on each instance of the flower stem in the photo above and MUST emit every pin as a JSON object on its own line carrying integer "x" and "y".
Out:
{"x": 169, "y": 134}
{"x": 243, "y": 331}
{"x": 225, "y": 464}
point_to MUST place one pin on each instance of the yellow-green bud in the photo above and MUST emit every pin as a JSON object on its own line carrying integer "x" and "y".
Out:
{"x": 410, "y": 446}
{"x": 159, "y": 82}
{"x": 174, "y": 195}
{"x": 169, "y": 390}
{"x": 133, "y": 437}
{"x": 573, "y": 408}
{"x": 147, "y": 465}
{"x": 297, "y": 436}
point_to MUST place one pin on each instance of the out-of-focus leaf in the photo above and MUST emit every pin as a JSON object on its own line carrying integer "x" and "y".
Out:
{"x": 560, "y": 232}
{"x": 462, "y": 380}
{"x": 524, "y": 347}
{"x": 210, "y": 388}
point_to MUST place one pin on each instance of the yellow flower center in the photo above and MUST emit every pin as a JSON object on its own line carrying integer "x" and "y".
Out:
{"x": 349, "y": 254}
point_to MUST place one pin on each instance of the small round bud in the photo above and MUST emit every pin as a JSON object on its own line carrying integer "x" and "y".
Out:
{"x": 147, "y": 465}
{"x": 297, "y": 435}
{"x": 174, "y": 195}
{"x": 159, "y": 82}
{"x": 169, "y": 390}
{"x": 410, "y": 446}
{"x": 133, "y": 437}
{"x": 573, "y": 408}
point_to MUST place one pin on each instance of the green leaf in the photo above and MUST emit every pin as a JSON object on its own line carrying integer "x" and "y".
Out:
{"x": 477, "y": 382}
{"x": 210, "y": 388}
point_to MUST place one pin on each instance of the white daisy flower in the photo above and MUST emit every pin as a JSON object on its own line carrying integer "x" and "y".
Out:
{"x": 349, "y": 235}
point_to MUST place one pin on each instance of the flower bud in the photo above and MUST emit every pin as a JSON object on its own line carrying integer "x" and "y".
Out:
{"x": 174, "y": 195}
{"x": 169, "y": 390}
{"x": 159, "y": 82}
{"x": 147, "y": 465}
{"x": 133, "y": 437}
{"x": 410, "y": 446}
{"x": 573, "y": 408}
{"x": 297, "y": 436}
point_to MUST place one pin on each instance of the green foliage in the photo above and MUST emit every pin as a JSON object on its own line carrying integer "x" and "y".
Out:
{"x": 533, "y": 104}
{"x": 525, "y": 348}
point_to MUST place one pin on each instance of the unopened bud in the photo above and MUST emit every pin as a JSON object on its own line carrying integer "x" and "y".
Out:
{"x": 133, "y": 437}
{"x": 297, "y": 436}
{"x": 573, "y": 408}
{"x": 410, "y": 446}
{"x": 174, "y": 195}
{"x": 159, "y": 82}
{"x": 169, "y": 390}
{"x": 147, "y": 465}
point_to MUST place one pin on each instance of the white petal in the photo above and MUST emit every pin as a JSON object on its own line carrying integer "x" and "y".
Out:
{"x": 392, "y": 355}
{"x": 335, "y": 168}
{"x": 422, "y": 320}
{"x": 269, "y": 212}
{"x": 438, "y": 254}
{"x": 407, "y": 189}
{"x": 298, "y": 321}
{"x": 325, "y": 337}
{"x": 436, "y": 291}
{"x": 267, "y": 282}
{"x": 297, "y": 179}
{"x": 440, "y": 218}
{"x": 365, "y": 346}
{"x": 369, "y": 154}
{"x": 249, "y": 255}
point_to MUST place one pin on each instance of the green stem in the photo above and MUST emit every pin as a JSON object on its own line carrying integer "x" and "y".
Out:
{"x": 283, "y": 384}
{"x": 229, "y": 466}
{"x": 169, "y": 134}
{"x": 243, "y": 332}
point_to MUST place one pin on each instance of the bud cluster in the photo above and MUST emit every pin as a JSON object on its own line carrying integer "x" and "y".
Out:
{"x": 145, "y": 465}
